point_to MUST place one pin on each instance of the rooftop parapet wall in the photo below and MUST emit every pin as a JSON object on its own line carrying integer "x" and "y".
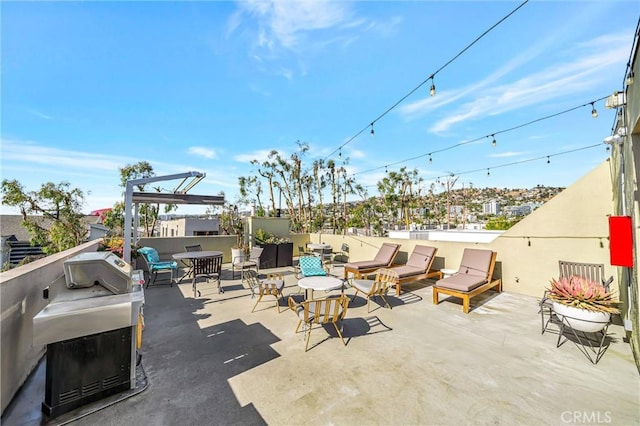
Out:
{"x": 20, "y": 300}
{"x": 571, "y": 226}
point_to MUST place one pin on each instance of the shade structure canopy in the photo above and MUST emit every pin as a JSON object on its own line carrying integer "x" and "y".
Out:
{"x": 177, "y": 196}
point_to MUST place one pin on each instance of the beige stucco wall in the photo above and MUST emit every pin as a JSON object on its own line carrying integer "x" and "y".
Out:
{"x": 572, "y": 226}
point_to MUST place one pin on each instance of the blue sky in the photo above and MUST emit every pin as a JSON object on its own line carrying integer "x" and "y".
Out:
{"x": 88, "y": 87}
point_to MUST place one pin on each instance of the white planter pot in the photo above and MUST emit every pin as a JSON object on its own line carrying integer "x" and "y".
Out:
{"x": 581, "y": 319}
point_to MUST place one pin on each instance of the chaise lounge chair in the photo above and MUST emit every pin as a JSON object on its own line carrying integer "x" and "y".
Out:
{"x": 384, "y": 259}
{"x": 418, "y": 267}
{"x": 474, "y": 276}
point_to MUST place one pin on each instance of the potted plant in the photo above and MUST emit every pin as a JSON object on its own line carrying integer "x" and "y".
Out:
{"x": 278, "y": 251}
{"x": 584, "y": 304}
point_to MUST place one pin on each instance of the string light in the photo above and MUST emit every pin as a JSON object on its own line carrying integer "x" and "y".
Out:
{"x": 372, "y": 132}
{"x": 493, "y": 142}
{"x": 432, "y": 90}
{"x": 630, "y": 78}
{"x": 594, "y": 112}
{"x": 386, "y": 170}
{"x": 340, "y": 153}
{"x": 488, "y": 172}
{"x": 430, "y": 159}
{"x": 519, "y": 126}
{"x": 548, "y": 160}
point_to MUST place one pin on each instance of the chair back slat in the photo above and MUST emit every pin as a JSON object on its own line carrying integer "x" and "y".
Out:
{"x": 196, "y": 247}
{"x": 207, "y": 265}
{"x": 590, "y": 271}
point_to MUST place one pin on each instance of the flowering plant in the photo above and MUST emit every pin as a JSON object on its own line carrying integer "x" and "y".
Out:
{"x": 263, "y": 237}
{"x": 116, "y": 246}
{"x": 582, "y": 293}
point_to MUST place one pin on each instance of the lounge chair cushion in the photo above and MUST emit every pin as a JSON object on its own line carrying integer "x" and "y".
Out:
{"x": 462, "y": 282}
{"x": 383, "y": 258}
{"x": 475, "y": 262}
{"x": 420, "y": 258}
{"x": 385, "y": 254}
{"x": 407, "y": 270}
{"x": 364, "y": 264}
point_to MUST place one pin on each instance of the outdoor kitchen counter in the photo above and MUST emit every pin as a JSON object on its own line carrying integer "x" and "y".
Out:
{"x": 85, "y": 311}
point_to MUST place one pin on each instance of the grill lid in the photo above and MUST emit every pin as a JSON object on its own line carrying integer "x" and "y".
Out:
{"x": 103, "y": 268}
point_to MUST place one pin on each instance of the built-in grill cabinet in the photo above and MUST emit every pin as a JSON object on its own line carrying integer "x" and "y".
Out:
{"x": 90, "y": 329}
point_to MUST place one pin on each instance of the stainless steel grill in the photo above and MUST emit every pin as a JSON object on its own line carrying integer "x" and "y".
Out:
{"x": 97, "y": 303}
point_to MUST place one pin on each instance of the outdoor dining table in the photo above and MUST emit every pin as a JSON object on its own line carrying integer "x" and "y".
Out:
{"x": 321, "y": 283}
{"x": 188, "y": 258}
{"x": 322, "y": 250}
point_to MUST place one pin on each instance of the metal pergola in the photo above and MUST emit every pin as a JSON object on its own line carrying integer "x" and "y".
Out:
{"x": 177, "y": 196}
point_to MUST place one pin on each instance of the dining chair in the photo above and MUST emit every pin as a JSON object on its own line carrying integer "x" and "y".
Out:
{"x": 379, "y": 286}
{"x": 208, "y": 267}
{"x": 319, "y": 312}
{"x": 271, "y": 286}
{"x": 252, "y": 260}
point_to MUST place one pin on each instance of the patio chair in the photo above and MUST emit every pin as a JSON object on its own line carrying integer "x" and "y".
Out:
{"x": 272, "y": 286}
{"x": 384, "y": 259}
{"x": 156, "y": 267}
{"x": 244, "y": 262}
{"x": 311, "y": 266}
{"x": 302, "y": 251}
{"x": 322, "y": 311}
{"x": 376, "y": 287}
{"x": 591, "y": 271}
{"x": 209, "y": 267}
{"x": 343, "y": 254}
{"x": 188, "y": 263}
{"x": 474, "y": 276}
{"x": 418, "y": 267}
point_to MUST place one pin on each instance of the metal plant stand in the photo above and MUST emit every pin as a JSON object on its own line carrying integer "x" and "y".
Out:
{"x": 592, "y": 344}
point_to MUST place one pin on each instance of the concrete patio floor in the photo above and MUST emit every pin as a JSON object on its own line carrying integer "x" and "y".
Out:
{"x": 210, "y": 360}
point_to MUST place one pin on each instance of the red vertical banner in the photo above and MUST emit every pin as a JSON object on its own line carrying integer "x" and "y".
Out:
{"x": 621, "y": 241}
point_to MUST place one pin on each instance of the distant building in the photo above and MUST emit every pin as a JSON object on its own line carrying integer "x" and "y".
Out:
{"x": 522, "y": 210}
{"x": 189, "y": 226}
{"x": 492, "y": 207}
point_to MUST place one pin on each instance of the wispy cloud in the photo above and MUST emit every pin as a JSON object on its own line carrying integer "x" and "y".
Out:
{"x": 261, "y": 156}
{"x": 284, "y": 23}
{"x": 202, "y": 152}
{"x": 31, "y": 152}
{"x": 506, "y": 154}
{"x": 38, "y": 114}
{"x": 485, "y": 98}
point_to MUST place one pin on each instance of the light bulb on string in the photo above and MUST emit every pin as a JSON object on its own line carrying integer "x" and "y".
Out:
{"x": 340, "y": 153}
{"x": 488, "y": 172}
{"x": 493, "y": 142}
{"x": 594, "y": 111}
{"x": 372, "y": 132}
{"x": 630, "y": 78}
{"x": 386, "y": 170}
{"x": 432, "y": 90}
{"x": 548, "y": 160}
{"x": 430, "y": 159}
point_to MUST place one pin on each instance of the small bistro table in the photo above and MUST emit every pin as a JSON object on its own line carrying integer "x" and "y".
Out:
{"x": 320, "y": 283}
